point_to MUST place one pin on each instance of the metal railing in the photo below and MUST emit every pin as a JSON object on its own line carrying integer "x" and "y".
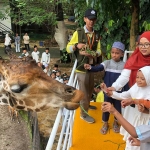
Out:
{"x": 65, "y": 118}
{"x": 125, "y": 57}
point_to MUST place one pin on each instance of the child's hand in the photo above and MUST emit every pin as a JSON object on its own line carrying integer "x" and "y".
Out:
{"x": 87, "y": 66}
{"x": 126, "y": 102}
{"x": 141, "y": 107}
{"x": 134, "y": 141}
{"x": 108, "y": 107}
{"x": 111, "y": 88}
{"x": 105, "y": 89}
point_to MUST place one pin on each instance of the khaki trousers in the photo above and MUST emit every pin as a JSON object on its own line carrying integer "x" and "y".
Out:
{"x": 86, "y": 84}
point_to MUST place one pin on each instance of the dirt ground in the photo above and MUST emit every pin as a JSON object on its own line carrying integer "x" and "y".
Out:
{"x": 13, "y": 135}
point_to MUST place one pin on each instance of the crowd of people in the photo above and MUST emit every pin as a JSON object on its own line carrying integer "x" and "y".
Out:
{"x": 43, "y": 62}
{"x": 124, "y": 83}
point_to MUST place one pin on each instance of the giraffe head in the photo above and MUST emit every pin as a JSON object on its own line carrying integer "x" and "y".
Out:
{"x": 32, "y": 89}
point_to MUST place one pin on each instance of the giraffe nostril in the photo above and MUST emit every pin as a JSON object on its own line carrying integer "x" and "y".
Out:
{"x": 69, "y": 89}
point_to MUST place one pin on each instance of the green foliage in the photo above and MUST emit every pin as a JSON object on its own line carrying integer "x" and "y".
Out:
{"x": 146, "y": 25}
{"x": 113, "y": 22}
{"x": 88, "y": 50}
{"x": 64, "y": 55}
{"x": 27, "y": 12}
{"x": 144, "y": 17}
{"x": 24, "y": 116}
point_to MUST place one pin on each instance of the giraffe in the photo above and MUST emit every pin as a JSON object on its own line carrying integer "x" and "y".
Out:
{"x": 5, "y": 99}
{"x": 31, "y": 89}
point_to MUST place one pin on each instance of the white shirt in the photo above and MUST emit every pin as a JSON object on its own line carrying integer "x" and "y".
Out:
{"x": 26, "y": 39}
{"x": 7, "y": 41}
{"x": 122, "y": 79}
{"x": 35, "y": 56}
{"x": 134, "y": 92}
{"x": 45, "y": 60}
{"x": 59, "y": 79}
{"x": 26, "y": 54}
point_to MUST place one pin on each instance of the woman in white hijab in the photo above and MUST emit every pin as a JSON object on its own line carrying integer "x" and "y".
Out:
{"x": 140, "y": 90}
{"x": 7, "y": 43}
{"x": 7, "y": 40}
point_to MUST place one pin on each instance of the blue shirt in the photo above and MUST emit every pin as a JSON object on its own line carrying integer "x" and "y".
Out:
{"x": 143, "y": 133}
{"x": 112, "y": 70}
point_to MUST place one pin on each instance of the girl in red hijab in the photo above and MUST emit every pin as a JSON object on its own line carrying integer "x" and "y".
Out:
{"x": 139, "y": 59}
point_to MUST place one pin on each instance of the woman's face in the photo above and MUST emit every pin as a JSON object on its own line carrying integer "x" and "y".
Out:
{"x": 144, "y": 46}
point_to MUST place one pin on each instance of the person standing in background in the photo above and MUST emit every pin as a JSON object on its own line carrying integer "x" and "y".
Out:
{"x": 35, "y": 54}
{"x": 7, "y": 43}
{"x": 17, "y": 43}
{"x": 45, "y": 59}
{"x": 26, "y": 41}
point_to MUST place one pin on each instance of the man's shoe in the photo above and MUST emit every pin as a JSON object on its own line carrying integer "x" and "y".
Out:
{"x": 88, "y": 118}
{"x": 92, "y": 107}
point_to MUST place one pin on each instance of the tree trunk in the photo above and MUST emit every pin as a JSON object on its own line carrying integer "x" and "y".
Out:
{"x": 61, "y": 35}
{"x": 134, "y": 24}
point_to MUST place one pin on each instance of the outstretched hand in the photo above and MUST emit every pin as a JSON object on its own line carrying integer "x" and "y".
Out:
{"x": 141, "y": 107}
{"x": 108, "y": 107}
{"x": 87, "y": 66}
{"x": 111, "y": 88}
{"x": 126, "y": 102}
{"x": 105, "y": 89}
{"x": 134, "y": 141}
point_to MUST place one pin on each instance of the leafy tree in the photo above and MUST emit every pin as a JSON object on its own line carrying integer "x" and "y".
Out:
{"x": 27, "y": 12}
{"x": 117, "y": 20}
{"x": 121, "y": 20}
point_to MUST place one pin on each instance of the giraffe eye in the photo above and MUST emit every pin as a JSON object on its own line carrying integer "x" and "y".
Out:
{"x": 18, "y": 88}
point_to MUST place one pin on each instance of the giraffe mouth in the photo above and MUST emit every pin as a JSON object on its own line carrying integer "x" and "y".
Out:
{"x": 75, "y": 101}
{"x": 71, "y": 105}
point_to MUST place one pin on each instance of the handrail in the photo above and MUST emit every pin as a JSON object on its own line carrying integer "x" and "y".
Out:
{"x": 125, "y": 55}
{"x": 71, "y": 79}
{"x": 66, "y": 131}
{"x": 54, "y": 131}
